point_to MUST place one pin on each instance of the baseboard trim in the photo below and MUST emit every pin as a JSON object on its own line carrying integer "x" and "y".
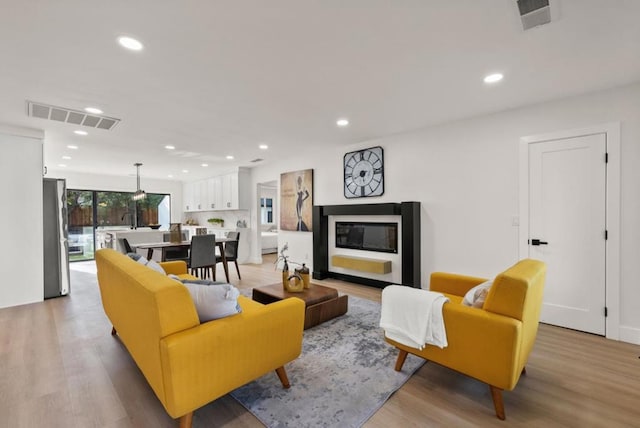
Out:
{"x": 629, "y": 334}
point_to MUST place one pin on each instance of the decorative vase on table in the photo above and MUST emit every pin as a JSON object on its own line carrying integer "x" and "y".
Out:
{"x": 294, "y": 284}
{"x": 285, "y": 274}
{"x": 303, "y": 272}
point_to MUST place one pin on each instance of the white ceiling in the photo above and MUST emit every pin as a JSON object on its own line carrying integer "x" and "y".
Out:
{"x": 218, "y": 78}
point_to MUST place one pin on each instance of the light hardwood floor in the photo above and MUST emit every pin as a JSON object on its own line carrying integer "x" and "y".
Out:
{"x": 60, "y": 367}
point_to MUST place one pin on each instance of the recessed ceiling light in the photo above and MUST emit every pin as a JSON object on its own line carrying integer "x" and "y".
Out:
{"x": 169, "y": 147}
{"x": 170, "y": 175}
{"x": 185, "y": 171}
{"x": 79, "y": 132}
{"x": 130, "y": 43}
{"x": 205, "y": 164}
{"x": 93, "y": 110}
{"x": 493, "y": 78}
{"x": 61, "y": 165}
{"x": 342, "y": 122}
{"x": 72, "y": 147}
{"x": 66, "y": 157}
{"x": 229, "y": 157}
{"x": 263, "y": 146}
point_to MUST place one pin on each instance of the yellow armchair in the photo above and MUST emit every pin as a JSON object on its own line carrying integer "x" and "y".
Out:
{"x": 491, "y": 344}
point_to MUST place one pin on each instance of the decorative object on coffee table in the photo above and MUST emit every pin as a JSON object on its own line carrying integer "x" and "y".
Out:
{"x": 294, "y": 284}
{"x": 304, "y": 274}
{"x": 321, "y": 303}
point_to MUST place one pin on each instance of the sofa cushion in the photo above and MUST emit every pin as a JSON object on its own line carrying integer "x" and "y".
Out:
{"x": 148, "y": 263}
{"x": 477, "y": 295}
{"x": 213, "y": 299}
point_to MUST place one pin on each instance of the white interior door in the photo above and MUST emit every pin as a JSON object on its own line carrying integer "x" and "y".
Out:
{"x": 567, "y": 222}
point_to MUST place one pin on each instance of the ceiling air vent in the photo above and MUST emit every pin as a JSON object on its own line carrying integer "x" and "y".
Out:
{"x": 534, "y": 13}
{"x": 256, "y": 160}
{"x": 75, "y": 117}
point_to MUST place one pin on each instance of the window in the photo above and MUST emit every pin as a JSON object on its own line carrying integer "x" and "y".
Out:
{"x": 266, "y": 210}
{"x": 90, "y": 210}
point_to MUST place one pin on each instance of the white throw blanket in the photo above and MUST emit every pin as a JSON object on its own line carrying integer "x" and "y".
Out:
{"x": 413, "y": 316}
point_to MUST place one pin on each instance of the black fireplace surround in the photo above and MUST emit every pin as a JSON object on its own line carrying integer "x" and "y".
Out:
{"x": 410, "y": 250}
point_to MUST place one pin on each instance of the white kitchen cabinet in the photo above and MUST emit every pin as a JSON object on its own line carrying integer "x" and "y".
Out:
{"x": 201, "y": 201}
{"x": 235, "y": 190}
{"x": 214, "y": 193}
{"x": 188, "y": 197}
{"x": 222, "y": 193}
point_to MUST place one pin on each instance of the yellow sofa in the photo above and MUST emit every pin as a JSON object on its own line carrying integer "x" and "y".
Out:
{"x": 188, "y": 364}
{"x": 492, "y": 343}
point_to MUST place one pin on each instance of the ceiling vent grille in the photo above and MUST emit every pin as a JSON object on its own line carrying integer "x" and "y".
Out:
{"x": 256, "y": 160}
{"x": 75, "y": 117}
{"x": 534, "y": 13}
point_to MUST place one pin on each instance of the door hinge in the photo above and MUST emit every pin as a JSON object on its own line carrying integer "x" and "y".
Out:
{"x": 606, "y": 158}
{"x": 606, "y": 235}
{"x": 606, "y": 312}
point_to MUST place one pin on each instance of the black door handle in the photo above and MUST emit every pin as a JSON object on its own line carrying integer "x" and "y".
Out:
{"x": 538, "y": 242}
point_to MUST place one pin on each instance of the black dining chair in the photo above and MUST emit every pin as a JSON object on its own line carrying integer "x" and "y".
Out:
{"x": 172, "y": 254}
{"x": 202, "y": 257}
{"x": 230, "y": 251}
{"x": 125, "y": 246}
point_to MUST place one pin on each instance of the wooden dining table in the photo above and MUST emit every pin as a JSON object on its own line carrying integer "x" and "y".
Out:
{"x": 184, "y": 244}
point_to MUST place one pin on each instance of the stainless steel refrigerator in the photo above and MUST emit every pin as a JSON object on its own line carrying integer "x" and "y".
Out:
{"x": 56, "y": 247}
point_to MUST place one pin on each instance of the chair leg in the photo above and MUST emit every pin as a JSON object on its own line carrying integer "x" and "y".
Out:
{"x": 524, "y": 371}
{"x": 237, "y": 269}
{"x": 186, "y": 420}
{"x": 498, "y": 404}
{"x": 214, "y": 272}
{"x": 282, "y": 375}
{"x": 402, "y": 356}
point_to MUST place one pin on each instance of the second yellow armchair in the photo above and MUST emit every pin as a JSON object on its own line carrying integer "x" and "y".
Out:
{"x": 492, "y": 343}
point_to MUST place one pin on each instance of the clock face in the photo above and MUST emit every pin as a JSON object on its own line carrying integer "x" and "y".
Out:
{"x": 364, "y": 173}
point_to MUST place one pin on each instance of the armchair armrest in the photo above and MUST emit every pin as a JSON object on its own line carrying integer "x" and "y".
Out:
{"x": 483, "y": 345}
{"x": 177, "y": 267}
{"x": 452, "y": 283}
{"x": 214, "y": 358}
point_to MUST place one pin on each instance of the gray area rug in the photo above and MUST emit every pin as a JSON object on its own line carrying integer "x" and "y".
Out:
{"x": 343, "y": 376}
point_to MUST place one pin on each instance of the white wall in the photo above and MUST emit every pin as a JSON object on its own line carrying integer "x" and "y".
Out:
{"x": 81, "y": 181}
{"x": 465, "y": 174}
{"x": 21, "y": 255}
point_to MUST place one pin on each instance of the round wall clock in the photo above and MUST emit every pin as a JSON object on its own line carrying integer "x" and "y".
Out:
{"x": 364, "y": 173}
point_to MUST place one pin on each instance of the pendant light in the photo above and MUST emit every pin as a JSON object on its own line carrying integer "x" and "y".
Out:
{"x": 139, "y": 194}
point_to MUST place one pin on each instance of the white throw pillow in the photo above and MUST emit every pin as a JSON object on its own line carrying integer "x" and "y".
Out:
{"x": 213, "y": 300}
{"x": 477, "y": 295}
{"x": 148, "y": 263}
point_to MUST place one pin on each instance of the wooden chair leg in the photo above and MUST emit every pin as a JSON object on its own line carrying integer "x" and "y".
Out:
{"x": 282, "y": 375}
{"x": 186, "y": 420}
{"x": 498, "y": 404}
{"x": 113, "y": 331}
{"x": 402, "y": 356}
{"x": 214, "y": 273}
{"x": 237, "y": 269}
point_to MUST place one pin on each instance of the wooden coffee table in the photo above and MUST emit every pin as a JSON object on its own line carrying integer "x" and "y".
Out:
{"x": 321, "y": 303}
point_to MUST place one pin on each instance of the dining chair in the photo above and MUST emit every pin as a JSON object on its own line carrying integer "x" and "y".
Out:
{"x": 171, "y": 254}
{"x": 230, "y": 251}
{"x": 202, "y": 257}
{"x": 126, "y": 246}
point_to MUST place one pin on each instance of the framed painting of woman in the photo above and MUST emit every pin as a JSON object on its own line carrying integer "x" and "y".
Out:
{"x": 296, "y": 200}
